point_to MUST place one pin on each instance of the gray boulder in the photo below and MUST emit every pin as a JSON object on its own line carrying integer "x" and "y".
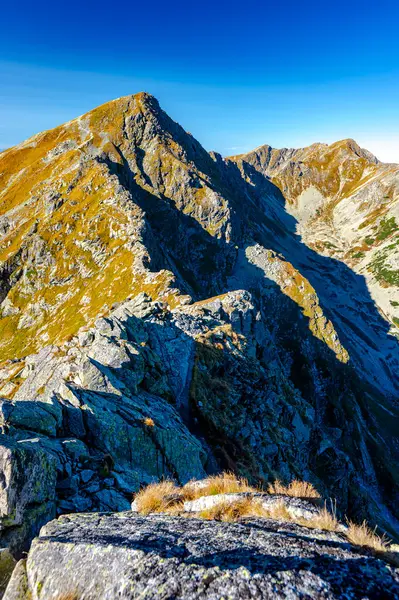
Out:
{"x": 28, "y": 478}
{"x": 124, "y": 555}
{"x": 36, "y": 416}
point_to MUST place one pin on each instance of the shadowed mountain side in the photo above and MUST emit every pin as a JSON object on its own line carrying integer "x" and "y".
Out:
{"x": 176, "y": 240}
{"x": 343, "y": 294}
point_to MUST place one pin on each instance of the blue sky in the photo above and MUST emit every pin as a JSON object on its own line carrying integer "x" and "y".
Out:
{"x": 235, "y": 74}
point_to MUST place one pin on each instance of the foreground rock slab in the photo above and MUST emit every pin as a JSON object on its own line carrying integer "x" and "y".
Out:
{"x": 124, "y": 555}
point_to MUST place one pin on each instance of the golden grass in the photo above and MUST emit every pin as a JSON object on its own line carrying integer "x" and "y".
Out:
{"x": 361, "y": 535}
{"x": 149, "y": 422}
{"x": 68, "y": 596}
{"x": 175, "y": 507}
{"x": 279, "y": 512}
{"x": 365, "y": 537}
{"x": 229, "y": 511}
{"x": 323, "y": 520}
{"x": 224, "y": 483}
{"x": 157, "y": 497}
{"x": 167, "y": 497}
{"x": 297, "y": 489}
{"x": 245, "y": 507}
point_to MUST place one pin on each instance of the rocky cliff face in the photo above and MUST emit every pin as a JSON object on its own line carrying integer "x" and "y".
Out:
{"x": 161, "y": 316}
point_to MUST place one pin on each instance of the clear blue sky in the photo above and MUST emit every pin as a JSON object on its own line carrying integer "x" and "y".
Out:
{"x": 235, "y": 74}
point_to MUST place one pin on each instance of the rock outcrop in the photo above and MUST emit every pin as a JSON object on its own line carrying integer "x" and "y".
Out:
{"x": 124, "y": 555}
{"x": 160, "y": 317}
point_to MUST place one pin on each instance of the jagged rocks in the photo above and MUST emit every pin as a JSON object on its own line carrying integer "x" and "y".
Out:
{"x": 129, "y": 556}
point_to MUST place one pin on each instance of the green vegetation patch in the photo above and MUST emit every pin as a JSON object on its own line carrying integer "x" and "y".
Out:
{"x": 387, "y": 227}
{"x": 383, "y": 273}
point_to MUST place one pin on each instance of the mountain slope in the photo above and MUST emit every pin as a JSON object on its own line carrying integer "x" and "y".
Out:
{"x": 160, "y": 316}
{"x": 69, "y": 184}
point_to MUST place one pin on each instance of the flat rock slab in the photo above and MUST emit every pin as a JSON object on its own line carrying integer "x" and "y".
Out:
{"x": 125, "y": 555}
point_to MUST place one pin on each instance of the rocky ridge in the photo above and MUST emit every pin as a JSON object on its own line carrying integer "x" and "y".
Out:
{"x": 160, "y": 317}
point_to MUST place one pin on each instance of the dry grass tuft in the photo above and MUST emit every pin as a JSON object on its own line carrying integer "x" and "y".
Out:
{"x": 224, "y": 483}
{"x": 149, "y": 422}
{"x": 362, "y": 535}
{"x": 247, "y": 507}
{"x": 68, "y": 596}
{"x": 323, "y": 520}
{"x": 298, "y": 489}
{"x": 175, "y": 506}
{"x": 232, "y": 511}
{"x": 279, "y": 512}
{"x": 157, "y": 497}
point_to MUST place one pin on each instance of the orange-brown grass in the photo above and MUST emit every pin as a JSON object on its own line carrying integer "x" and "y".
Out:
{"x": 232, "y": 511}
{"x": 298, "y": 489}
{"x": 157, "y": 497}
{"x": 224, "y": 483}
{"x": 149, "y": 422}
{"x": 68, "y": 596}
{"x": 362, "y": 535}
{"x": 175, "y": 507}
{"x": 245, "y": 507}
{"x": 279, "y": 512}
{"x": 323, "y": 520}
{"x": 167, "y": 497}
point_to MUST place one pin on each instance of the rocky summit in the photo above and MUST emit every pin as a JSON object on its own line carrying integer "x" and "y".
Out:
{"x": 169, "y": 313}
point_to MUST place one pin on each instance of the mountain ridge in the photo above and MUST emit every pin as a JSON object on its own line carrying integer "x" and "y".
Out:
{"x": 145, "y": 280}
{"x": 348, "y": 142}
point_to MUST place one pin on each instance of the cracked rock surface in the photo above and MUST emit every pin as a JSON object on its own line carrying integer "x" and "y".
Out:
{"x": 128, "y": 556}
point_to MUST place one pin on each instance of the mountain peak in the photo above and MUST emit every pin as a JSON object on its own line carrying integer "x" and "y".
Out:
{"x": 351, "y": 145}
